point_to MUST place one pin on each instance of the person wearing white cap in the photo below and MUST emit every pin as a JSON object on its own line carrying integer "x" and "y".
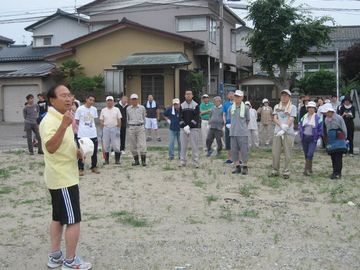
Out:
{"x": 239, "y": 141}
{"x": 284, "y": 116}
{"x": 110, "y": 123}
{"x": 85, "y": 117}
{"x": 135, "y": 114}
{"x": 189, "y": 129}
{"x": 172, "y": 116}
{"x": 265, "y": 112}
{"x": 336, "y": 140}
{"x": 205, "y": 110}
{"x": 311, "y": 129}
{"x": 253, "y": 126}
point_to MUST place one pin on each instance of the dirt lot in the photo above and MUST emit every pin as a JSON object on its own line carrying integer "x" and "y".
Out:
{"x": 163, "y": 217}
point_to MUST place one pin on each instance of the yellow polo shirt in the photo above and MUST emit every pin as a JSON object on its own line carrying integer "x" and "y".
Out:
{"x": 61, "y": 167}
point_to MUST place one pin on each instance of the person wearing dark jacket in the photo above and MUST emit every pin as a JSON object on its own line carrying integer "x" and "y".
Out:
{"x": 189, "y": 128}
{"x": 303, "y": 109}
{"x": 122, "y": 106}
{"x": 347, "y": 112}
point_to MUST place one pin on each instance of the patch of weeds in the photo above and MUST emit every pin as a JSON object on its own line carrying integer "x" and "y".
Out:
{"x": 157, "y": 148}
{"x": 7, "y": 215}
{"x": 246, "y": 190}
{"x": 276, "y": 238}
{"x": 131, "y": 219}
{"x": 226, "y": 213}
{"x": 6, "y": 190}
{"x": 338, "y": 217}
{"x": 200, "y": 184}
{"x": 211, "y": 198}
{"x": 167, "y": 167}
{"x": 273, "y": 182}
{"x": 5, "y": 173}
{"x": 91, "y": 216}
{"x": 250, "y": 213}
{"x": 28, "y": 183}
{"x": 193, "y": 220}
{"x": 30, "y": 201}
{"x": 335, "y": 191}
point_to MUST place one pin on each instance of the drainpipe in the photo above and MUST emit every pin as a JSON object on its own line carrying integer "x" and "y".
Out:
{"x": 337, "y": 74}
{"x": 209, "y": 73}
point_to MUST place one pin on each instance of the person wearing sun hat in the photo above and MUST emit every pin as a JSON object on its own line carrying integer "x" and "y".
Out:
{"x": 265, "y": 113}
{"x": 336, "y": 143}
{"x": 284, "y": 115}
{"x": 311, "y": 129}
{"x": 347, "y": 111}
{"x": 253, "y": 127}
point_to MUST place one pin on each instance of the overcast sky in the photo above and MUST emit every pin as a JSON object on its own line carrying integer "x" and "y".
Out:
{"x": 11, "y": 9}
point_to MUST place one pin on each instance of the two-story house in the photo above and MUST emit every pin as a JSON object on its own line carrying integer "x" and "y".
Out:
{"x": 198, "y": 19}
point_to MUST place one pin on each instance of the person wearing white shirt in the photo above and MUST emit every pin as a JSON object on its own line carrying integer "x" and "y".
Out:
{"x": 85, "y": 118}
{"x": 110, "y": 122}
{"x": 253, "y": 126}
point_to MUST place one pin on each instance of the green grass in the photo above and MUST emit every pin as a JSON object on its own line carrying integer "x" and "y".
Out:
{"x": 5, "y": 173}
{"x": 158, "y": 148}
{"x": 335, "y": 192}
{"x": 211, "y": 198}
{"x": 273, "y": 182}
{"x": 247, "y": 190}
{"x": 249, "y": 213}
{"x": 130, "y": 219}
{"x": 199, "y": 184}
{"x": 226, "y": 213}
{"x": 167, "y": 167}
{"x": 6, "y": 190}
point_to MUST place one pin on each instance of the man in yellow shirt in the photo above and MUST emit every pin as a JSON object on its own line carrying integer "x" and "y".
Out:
{"x": 62, "y": 178}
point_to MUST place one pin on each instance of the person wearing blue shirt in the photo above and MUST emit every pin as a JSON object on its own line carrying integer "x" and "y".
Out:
{"x": 227, "y": 119}
{"x": 172, "y": 116}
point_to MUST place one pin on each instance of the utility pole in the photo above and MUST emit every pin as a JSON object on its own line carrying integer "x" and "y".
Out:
{"x": 221, "y": 50}
{"x": 337, "y": 74}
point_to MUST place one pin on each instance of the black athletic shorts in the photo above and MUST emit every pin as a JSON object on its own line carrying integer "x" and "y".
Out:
{"x": 66, "y": 205}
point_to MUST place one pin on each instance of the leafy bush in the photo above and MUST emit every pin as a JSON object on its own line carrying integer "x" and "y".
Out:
{"x": 320, "y": 83}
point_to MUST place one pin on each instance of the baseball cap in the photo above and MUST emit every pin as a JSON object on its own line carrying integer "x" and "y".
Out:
{"x": 134, "y": 96}
{"x": 239, "y": 93}
{"x": 176, "y": 101}
{"x": 327, "y": 108}
{"x": 248, "y": 103}
{"x": 205, "y": 96}
{"x": 287, "y": 91}
{"x": 109, "y": 98}
{"x": 311, "y": 104}
{"x": 265, "y": 100}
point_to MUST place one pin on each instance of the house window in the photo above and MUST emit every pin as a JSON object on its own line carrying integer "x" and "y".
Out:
{"x": 47, "y": 41}
{"x": 189, "y": 24}
{"x": 233, "y": 41}
{"x": 114, "y": 81}
{"x": 212, "y": 30}
{"x": 315, "y": 67}
{"x": 153, "y": 85}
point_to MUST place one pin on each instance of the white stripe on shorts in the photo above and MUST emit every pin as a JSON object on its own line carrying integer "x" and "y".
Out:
{"x": 68, "y": 206}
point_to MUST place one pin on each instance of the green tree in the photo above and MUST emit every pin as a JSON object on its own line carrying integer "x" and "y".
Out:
{"x": 322, "y": 82}
{"x": 282, "y": 34}
{"x": 350, "y": 63}
{"x": 81, "y": 86}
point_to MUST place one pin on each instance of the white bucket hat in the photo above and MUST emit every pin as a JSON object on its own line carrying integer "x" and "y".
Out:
{"x": 265, "y": 100}
{"x": 311, "y": 104}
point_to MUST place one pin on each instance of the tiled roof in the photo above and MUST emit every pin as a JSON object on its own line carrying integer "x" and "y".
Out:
{"x": 26, "y": 53}
{"x": 6, "y": 40}
{"x": 59, "y": 12}
{"x": 154, "y": 59}
{"x": 34, "y": 70}
{"x": 342, "y": 38}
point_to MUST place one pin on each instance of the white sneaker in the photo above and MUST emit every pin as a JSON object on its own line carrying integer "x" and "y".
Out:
{"x": 76, "y": 264}
{"x": 54, "y": 263}
{"x": 123, "y": 152}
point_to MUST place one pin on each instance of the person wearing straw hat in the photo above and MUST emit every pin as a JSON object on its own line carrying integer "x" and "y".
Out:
{"x": 284, "y": 115}
{"x": 110, "y": 123}
{"x": 135, "y": 114}
{"x": 62, "y": 179}
{"x": 172, "y": 116}
{"x": 253, "y": 126}
{"x": 265, "y": 112}
{"x": 205, "y": 110}
{"x": 336, "y": 143}
{"x": 311, "y": 129}
{"x": 239, "y": 141}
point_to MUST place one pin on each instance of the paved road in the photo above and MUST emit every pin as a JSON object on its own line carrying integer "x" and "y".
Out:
{"x": 11, "y": 137}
